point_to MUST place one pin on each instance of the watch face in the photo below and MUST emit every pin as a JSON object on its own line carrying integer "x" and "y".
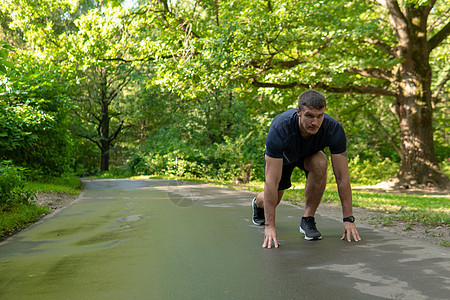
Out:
{"x": 349, "y": 219}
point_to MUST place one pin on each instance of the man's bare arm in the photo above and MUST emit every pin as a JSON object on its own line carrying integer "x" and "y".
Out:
{"x": 273, "y": 171}
{"x": 340, "y": 169}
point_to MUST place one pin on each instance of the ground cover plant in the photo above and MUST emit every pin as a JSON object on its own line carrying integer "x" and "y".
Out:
{"x": 18, "y": 208}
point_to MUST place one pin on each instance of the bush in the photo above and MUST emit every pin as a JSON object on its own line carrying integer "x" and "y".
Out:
{"x": 222, "y": 161}
{"x": 12, "y": 184}
{"x": 34, "y": 121}
{"x": 371, "y": 172}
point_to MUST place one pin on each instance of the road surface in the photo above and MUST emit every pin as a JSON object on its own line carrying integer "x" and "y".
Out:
{"x": 160, "y": 239}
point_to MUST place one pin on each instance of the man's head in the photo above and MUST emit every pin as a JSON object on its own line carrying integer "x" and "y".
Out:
{"x": 311, "y": 99}
{"x": 311, "y": 111}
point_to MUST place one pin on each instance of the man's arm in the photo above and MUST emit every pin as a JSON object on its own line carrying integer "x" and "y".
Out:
{"x": 273, "y": 171}
{"x": 340, "y": 169}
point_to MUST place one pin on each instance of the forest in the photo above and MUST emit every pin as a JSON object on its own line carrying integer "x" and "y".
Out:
{"x": 189, "y": 87}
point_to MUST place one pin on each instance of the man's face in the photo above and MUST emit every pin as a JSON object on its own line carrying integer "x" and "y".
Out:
{"x": 310, "y": 120}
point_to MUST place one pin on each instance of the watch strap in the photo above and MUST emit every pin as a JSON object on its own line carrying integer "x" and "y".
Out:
{"x": 349, "y": 219}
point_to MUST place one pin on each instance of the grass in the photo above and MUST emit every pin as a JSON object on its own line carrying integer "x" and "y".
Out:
{"x": 445, "y": 243}
{"x": 19, "y": 214}
{"x": 64, "y": 185}
{"x": 431, "y": 211}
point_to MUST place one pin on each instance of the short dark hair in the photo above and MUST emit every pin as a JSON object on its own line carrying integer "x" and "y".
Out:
{"x": 312, "y": 99}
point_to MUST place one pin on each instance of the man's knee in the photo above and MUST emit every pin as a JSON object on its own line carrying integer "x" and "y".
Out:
{"x": 317, "y": 163}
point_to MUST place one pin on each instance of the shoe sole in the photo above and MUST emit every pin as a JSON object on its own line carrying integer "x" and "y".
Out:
{"x": 309, "y": 238}
{"x": 259, "y": 224}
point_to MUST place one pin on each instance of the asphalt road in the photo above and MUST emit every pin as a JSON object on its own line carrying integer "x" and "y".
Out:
{"x": 159, "y": 239}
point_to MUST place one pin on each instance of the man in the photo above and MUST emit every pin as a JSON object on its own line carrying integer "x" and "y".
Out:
{"x": 297, "y": 138}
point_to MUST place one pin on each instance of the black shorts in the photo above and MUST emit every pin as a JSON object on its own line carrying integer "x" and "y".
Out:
{"x": 286, "y": 173}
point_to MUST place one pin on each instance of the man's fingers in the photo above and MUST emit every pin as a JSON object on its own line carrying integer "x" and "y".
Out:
{"x": 268, "y": 243}
{"x": 356, "y": 236}
{"x": 348, "y": 235}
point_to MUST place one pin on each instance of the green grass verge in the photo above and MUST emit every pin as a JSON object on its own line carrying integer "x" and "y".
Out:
{"x": 432, "y": 211}
{"x": 16, "y": 215}
{"x": 65, "y": 185}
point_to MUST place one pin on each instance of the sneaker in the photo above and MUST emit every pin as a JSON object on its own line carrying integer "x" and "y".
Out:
{"x": 309, "y": 229}
{"x": 258, "y": 217}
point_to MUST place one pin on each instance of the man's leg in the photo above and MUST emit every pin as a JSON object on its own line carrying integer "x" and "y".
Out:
{"x": 258, "y": 216}
{"x": 316, "y": 165}
{"x": 260, "y": 199}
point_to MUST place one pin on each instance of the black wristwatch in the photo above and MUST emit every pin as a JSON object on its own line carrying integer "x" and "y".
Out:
{"x": 349, "y": 219}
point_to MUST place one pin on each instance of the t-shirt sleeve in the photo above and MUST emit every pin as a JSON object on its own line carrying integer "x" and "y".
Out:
{"x": 338, "y": 141}
{"x": 274, "y": 144}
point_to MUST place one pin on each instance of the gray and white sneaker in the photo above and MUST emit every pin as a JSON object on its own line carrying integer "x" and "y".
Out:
{"x": 258, "y": 216}
{"x": 309, "y": 229}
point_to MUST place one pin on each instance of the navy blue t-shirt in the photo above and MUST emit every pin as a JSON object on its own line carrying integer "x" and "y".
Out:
{"x": 284, "y": 139}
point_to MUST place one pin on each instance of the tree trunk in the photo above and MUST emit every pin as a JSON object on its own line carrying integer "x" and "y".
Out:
{"x": 104, "y": 164}
{"x": 105, "y": 141}
{"x": 419, "y": 165}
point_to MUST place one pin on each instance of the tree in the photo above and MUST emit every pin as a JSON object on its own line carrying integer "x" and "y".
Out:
{"x": 79, "y": 38}
{"x": 386, "y": 49}
{"x": 91, "y": 62}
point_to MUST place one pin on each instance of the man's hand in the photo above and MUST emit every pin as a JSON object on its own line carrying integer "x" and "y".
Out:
{"x": 349, "y": 231}
{"x": 270, "y": 234}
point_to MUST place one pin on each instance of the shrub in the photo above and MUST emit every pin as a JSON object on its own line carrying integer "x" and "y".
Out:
{"x": 371, "y": 172}
{"x": 12, "y": 184}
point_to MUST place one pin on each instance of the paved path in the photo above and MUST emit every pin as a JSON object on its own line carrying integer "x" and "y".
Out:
{"x": 158, "y": 239}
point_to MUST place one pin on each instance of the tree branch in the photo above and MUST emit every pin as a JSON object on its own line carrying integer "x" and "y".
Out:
{"x": 367, "y": 89}
{"x": 374, "y": 73}
{"x": 437, "y": 39}
{"x": 145, "y": 59}
{"x": 217, "y": 12}
{"x": 397, "y": 20}
{"x": 440, "y": 87}
{"x": 429, "y": 7}
{"x": 90, "y": 139}
{"x": 116, "y": 133}
{"x": 442, "y": 19}
{"x": 381, "y": 45}
{"x": 386, "y": 133}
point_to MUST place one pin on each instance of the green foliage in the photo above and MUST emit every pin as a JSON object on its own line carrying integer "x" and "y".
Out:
{"x": 17, "y": 217}
{"x": 19, "y": 210}
{"x": 4, "y": 63}
{"x": 16, "y": 210}
{"x": 220, "y": 161}
{"x": 34, "y": 120}
{"x": 11, "y": 184}
{"x": 68, "y": 184}
{"x": 178, "y": 75}
{"x": 371, "y": 172}
{"x": 210, "y": 136}
{"x": 433, "y": 211}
